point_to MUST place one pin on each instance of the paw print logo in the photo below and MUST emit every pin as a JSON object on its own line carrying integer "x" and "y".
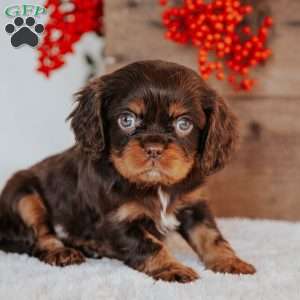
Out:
{"x": 27, "y": 33}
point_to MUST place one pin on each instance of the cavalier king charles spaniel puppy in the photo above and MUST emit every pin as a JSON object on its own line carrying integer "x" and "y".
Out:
{"x": 147, "y": 136}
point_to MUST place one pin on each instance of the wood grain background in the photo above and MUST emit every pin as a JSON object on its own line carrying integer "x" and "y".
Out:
{"x": 263, "y": 180}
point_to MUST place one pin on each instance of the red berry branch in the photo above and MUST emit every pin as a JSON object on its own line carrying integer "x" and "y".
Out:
{"x": 215, "y": 27}
{"x": 68, "y": 21}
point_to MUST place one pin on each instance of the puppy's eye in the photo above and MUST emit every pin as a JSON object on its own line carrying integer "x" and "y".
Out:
{"x": 183, "y": 126}
{"x": 127, "y": 121}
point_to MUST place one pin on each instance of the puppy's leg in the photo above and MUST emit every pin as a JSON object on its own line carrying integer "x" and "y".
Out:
{"x": 144, "y": 252}
{"x": 48, "y": 247}
{"x": 201, "y": 232}
{"x": 91, "y": 248}
{"x": 163, "y": 265}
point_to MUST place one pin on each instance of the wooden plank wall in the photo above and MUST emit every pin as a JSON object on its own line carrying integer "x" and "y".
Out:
{"x": 263, "y": 181}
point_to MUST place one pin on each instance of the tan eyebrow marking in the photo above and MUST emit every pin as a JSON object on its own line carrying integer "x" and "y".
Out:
{"x": 177, "y": 109}
{"x": 137, "y": 106}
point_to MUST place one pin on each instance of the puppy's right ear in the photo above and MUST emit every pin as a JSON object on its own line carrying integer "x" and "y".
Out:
{"x": 86, "y": 119}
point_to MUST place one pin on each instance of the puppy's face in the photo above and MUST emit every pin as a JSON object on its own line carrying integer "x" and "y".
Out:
{"x": 154, "y": 138}
{"x": 156, "y": 121}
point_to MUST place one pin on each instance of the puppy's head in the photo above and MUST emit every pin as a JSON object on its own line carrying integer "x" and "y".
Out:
{"x": 156, "y": 121}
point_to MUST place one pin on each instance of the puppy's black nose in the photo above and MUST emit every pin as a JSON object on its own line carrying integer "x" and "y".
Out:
{"x": 154, "y": 150}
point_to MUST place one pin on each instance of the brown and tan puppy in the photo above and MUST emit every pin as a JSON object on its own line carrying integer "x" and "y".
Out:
{"x": 147, "y": 136}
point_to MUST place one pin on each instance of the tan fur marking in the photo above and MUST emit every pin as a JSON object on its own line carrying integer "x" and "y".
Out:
{"x": 217, "y": 254}
{"x": 134, "y": 165}
{"x": 163, "y": 265}
{"x": 177, "y": 109}
{"x": 195, "y": 196}
{"x": 137, "y": 106}
{"x": 132, "y": 162}
{"x": 32, "y": 210}
{"x": 49, "y": 242}
{"x": 204, "y": 240}
{"x": 153, "y": 209}
{"x": 164, "y": 256}
{"x": 130, "y": 211}
{"x": 34, "y": 214}
{"x": 51, "y": 250}
{"x": 176, "y": 163}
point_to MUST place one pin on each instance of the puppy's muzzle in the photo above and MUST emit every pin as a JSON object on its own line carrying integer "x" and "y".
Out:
{"x": 153, "y": 150}
{"x": 153, "y": 146}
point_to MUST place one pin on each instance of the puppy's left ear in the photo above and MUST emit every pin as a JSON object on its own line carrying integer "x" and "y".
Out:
{"x": 86, "y": 119}
{"x": 220, "y": 135}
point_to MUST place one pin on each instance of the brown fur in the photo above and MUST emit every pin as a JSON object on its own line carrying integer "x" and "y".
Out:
{"x": 131, "y": 211}
{"x": 188, "y": 199}
{"x": 164, "y": 265}
{"x": 34, "y": 214}
{"x": 137, "y": 106}
{"x": 216, "y": 253}
{"x": 49, "y": 248}
{"x": 222, "y": 137}
{"x": 118, "y": 193}
{"x": 206, "y": 242}
{"x": 177, "y": 109}
{"x": 91, "y": 248}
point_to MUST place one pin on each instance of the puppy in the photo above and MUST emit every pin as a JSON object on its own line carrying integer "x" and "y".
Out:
{"x": 147, "y": 136}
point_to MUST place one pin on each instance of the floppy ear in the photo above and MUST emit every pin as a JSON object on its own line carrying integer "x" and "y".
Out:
{"x": 220, "y": 136}
{"x": 86, "y": 119}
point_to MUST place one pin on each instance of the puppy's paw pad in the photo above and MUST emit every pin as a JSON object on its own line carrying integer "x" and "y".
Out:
{"x": 177, "y": 273}
{"x": 232, "y": 265}
{"x": 63, "y": 257}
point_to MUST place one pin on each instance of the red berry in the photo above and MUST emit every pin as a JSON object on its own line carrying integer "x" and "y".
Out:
{"x": 268, "y": 21}
{"x": 220, "y": 75}
{"x": 213, "y": 26}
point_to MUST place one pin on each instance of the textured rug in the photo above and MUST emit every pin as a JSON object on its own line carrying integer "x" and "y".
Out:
{"x": 273, "y": 247}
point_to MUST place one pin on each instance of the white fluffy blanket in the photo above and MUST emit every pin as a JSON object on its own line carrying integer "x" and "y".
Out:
{"x": 273, "y": 247}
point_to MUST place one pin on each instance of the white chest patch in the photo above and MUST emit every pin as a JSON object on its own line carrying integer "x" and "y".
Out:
{"x": 168, "y": 222}
{"x": 60, "y": 231}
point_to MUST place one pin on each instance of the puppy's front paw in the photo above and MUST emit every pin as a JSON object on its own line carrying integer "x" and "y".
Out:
{"x": 233, "y": 265}
{"x": 176, "y": 272}
{"x": 62, "y": 257}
